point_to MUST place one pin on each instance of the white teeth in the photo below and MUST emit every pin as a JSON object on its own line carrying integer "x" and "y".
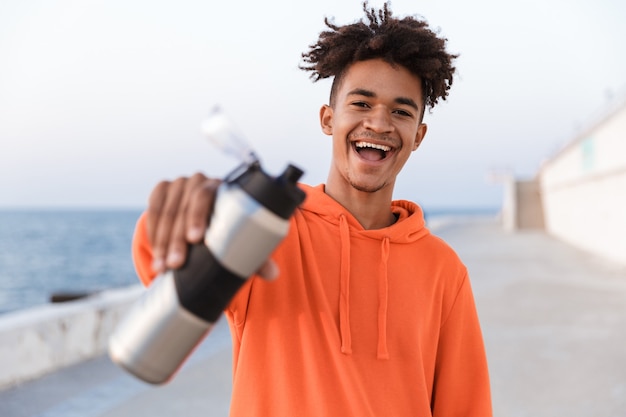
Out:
{"x": 372, "y": 145}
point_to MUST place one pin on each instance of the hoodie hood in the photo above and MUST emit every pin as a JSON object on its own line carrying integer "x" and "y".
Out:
{"x": 409, "y": 227}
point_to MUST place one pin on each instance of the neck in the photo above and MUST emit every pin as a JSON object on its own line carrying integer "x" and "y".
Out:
{"x": 372, "y": 210}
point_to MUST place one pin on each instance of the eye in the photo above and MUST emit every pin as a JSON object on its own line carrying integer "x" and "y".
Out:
{"x": 360, "y": 104}
{"x": 403, "y": 112}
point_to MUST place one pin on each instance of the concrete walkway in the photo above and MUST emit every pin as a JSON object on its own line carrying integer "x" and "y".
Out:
{"x": 554, "y": 320}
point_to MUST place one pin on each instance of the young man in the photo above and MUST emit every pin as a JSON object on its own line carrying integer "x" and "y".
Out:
{"x": 371, "y": 315}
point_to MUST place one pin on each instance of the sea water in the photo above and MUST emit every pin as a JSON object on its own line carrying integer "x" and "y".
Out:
{"x": 48, "y": 252}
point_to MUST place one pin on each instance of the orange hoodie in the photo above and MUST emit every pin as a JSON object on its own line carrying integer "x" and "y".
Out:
{"x": 359, "y": 323}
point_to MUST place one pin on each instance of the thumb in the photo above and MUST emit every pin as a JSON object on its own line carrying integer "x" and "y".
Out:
{"x": 269, "y": 270}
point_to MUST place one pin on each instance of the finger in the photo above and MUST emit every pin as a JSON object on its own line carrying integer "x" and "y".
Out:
{"x": 155, "y": 207}
{"x": 168, "y": 211}
{"x": 178, "y": 241}
{"x": 200, "y": 208}
{"x": 156, "y": 203}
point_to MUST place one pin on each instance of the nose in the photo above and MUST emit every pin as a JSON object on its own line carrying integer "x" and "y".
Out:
{"x": 379, "y": 120}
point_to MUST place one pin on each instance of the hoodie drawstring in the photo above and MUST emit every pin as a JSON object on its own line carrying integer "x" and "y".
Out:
{"x": 344, "y": 296}
{"x": 383, "y": 298}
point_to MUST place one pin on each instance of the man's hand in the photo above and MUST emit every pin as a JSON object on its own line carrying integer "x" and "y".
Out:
{"x": 178, "y": 214}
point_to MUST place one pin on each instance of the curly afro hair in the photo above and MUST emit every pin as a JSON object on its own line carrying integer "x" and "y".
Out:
{"x": 407, "y": 42}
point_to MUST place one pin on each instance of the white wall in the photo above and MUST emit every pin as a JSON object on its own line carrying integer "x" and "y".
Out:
{"x": 40, "y": 340}
{"x": 584, "y": 189}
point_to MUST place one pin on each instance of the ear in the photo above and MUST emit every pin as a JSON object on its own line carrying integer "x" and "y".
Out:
{"x": 326, "y": 119}
{"x": 419, "y": 136}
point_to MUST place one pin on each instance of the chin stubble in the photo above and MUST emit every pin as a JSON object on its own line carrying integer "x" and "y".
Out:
{"x": 366, "y": 189}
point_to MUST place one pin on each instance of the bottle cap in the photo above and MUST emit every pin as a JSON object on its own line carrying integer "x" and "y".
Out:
{"x": 281, "y": 194}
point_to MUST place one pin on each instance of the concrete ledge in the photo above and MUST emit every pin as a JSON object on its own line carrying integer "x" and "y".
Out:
{"x": 43, "y": 339}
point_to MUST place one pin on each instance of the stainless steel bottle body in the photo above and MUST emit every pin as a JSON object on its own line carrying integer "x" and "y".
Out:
{"x": 243, "y": 233}
{"x": 158, "y": 334}
{"x": 180, "y": 307}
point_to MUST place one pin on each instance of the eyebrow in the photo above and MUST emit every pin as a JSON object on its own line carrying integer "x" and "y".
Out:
{"x": 400, "y": 100}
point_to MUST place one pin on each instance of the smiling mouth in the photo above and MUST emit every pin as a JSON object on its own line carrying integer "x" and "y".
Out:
{"x": 371, "y": 151}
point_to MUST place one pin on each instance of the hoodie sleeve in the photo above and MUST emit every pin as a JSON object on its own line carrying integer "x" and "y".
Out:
{"x": 461, "y": 386}
{"x": 142, "y": 252}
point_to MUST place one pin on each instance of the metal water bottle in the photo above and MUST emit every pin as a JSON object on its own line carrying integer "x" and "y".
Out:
{"x": 250, "y": 218}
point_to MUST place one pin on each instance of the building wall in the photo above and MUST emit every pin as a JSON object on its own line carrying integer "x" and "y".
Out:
{"x": 584, "y": 189}
{"x": 522, "y": 207}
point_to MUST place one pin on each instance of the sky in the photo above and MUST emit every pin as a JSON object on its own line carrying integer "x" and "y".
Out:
{"x": 101, "y": 99}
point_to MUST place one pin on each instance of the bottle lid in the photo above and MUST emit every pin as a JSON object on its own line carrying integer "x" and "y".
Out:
{"x": 281, "y": 194}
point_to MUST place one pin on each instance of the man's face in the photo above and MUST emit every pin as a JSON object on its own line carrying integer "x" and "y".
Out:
{"x": 375, "y": 124}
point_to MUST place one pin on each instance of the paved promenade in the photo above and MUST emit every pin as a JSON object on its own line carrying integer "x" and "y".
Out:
{"x": 554, "y": 320}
